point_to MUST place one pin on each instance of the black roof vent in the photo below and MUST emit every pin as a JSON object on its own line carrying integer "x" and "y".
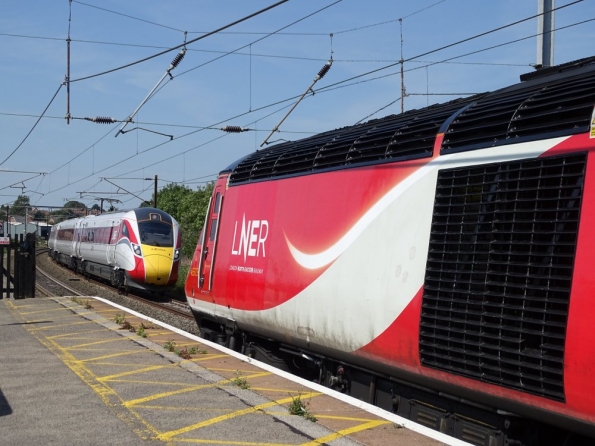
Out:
{"x": 410, "y": 135}
{"x": 546, "y": 107}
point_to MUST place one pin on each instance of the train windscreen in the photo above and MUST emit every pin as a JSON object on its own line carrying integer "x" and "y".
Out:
{"x": 156, "y": 233}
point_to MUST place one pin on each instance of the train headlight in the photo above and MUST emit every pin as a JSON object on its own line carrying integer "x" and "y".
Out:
{"x": 176, "y": 254}
{"x": 137, "y": 250}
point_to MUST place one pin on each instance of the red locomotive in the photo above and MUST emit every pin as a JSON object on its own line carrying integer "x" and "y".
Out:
{"x": 437, "y": 263}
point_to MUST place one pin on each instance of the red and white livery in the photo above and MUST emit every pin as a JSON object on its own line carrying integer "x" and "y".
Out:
{"x": 437, "y": 263}
{"x": 139, "y": 248}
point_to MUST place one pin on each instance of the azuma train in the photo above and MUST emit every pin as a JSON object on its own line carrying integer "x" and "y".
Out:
{"x": 437, "y": 263}
{"x": 139, "y": 248}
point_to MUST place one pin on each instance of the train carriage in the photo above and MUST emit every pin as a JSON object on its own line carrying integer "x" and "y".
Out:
{"x": 436, "y": 263}
{"x": 138, "y": 248}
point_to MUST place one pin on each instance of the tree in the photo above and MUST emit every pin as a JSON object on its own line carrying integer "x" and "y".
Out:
{"x": 20, "y": 205}
{"x": 189, "y": 208}
{"x": 96, "y": 207}
{"x": 75, "y": 205}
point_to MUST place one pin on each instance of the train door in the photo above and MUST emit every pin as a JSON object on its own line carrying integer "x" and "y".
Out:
{"x": 209, "y": 239}
{"x": 76, "y": 238}
{"x": 112, "y": 240}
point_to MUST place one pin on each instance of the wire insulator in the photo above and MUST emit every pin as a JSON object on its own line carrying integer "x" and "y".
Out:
{"x": 324, "y": 70}
{"x": 177, "y": 59}
{"x": 101, "y": 120}
{"x": 233, "y": 129}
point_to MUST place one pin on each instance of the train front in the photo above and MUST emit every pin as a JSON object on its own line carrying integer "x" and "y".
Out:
{"x": 156, "y": 251}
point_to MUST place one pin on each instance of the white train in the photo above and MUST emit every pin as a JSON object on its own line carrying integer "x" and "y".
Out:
{"x": 139, "y": 248}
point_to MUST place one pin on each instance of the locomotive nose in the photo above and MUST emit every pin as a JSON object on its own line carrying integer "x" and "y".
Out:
{"x": 158, "y": 265}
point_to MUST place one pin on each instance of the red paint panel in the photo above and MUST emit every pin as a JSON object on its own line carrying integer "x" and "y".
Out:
{"x": 313, "y": 212}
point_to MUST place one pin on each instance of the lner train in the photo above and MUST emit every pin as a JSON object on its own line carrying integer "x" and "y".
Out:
{"x": 438, "y": 263}
{"x": 138, "y": 248}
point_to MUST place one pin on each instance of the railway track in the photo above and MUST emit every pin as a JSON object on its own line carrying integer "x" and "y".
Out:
{"x": 55, "y": 280}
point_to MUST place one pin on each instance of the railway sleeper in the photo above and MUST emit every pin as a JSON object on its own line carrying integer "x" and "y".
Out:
{"x": 472, "y": 422}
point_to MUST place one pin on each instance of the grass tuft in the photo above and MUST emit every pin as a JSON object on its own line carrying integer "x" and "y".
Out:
{"x": 300, "y": 408}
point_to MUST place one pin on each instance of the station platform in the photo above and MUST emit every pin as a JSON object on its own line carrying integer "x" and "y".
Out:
{"x": 71, "y": 375}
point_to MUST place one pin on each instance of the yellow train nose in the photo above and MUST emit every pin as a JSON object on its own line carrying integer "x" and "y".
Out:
{"x": 158, "y": 264}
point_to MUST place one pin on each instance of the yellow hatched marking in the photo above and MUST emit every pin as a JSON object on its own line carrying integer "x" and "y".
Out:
{"x": 53, "y": 327}
{"x": 229, "y": 442}
{"x": 18, "y": 307}
{"x": 344, "y": 432}
{"x": 134, "y": 372}
{"x": 140, "y": 381}
{"x": 336, "y": 417}
{"x": 207, "y": 357}
{"x": 167, "y": 436}
{"x": 253, "y": 375}
{"x": 104, "y": 341}
{"x": 157, "y": 396}
{"x": 46, "y": 311}
{"x": 78, "y": 333}
{"x": 113, "y": 355}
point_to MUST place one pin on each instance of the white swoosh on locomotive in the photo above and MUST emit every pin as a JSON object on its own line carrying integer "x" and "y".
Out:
{"x": 387, "y": 249}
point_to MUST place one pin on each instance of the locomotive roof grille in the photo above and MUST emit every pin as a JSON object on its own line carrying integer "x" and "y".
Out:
{"x": 410, "y": 135}
{"x": 556, "y": 102}
{"x": 559, "y": 108}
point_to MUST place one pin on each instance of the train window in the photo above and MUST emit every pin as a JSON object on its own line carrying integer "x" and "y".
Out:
{"x": 213, "y": 229}
{"x": 125, "y": 230}
{"x": 217, "y": 204}
{"x": 114, "y": 237}
{"x": 156, "y": 233}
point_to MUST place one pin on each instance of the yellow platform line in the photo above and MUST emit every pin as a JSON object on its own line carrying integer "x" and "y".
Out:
{"x": 157, "y": 396}
{"x": 207, "y": 357}
{"x": 113, "y": 355}
{"x": 28, "y": 313}
{"x": 145, "y": 382}
{"x": 103, "y": 341}
{"x": 135, "y": 372}
{"x": 345, "y": 432}
{"x": 168, "y": 436}
{"x": 66, "y": 335}
{"x": 53, "y": 327}
{"x": 228, "y": 442}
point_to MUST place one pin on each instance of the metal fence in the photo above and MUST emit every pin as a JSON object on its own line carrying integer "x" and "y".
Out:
{"x": 17, "y": 266}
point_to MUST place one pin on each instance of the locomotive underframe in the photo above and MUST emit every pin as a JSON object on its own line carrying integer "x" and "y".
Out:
{"x": 453, "y": 411}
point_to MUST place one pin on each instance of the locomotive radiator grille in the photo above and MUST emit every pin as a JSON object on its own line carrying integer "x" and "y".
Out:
{"x": 499, "y": 272}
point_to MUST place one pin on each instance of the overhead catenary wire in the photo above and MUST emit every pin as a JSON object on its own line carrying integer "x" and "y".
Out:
{"x": 326, "y": 88}
{"x": 229, "y": 25}
{"x": 323, "y": 89}
{"x": 32, "y": 128}
{"x": 248, "y": 54}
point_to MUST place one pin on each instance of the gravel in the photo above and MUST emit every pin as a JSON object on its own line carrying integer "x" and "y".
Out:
{"x": 82, "y": 285}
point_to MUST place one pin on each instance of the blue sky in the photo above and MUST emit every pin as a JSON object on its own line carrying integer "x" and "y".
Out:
{"x": 247, "y": 76}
